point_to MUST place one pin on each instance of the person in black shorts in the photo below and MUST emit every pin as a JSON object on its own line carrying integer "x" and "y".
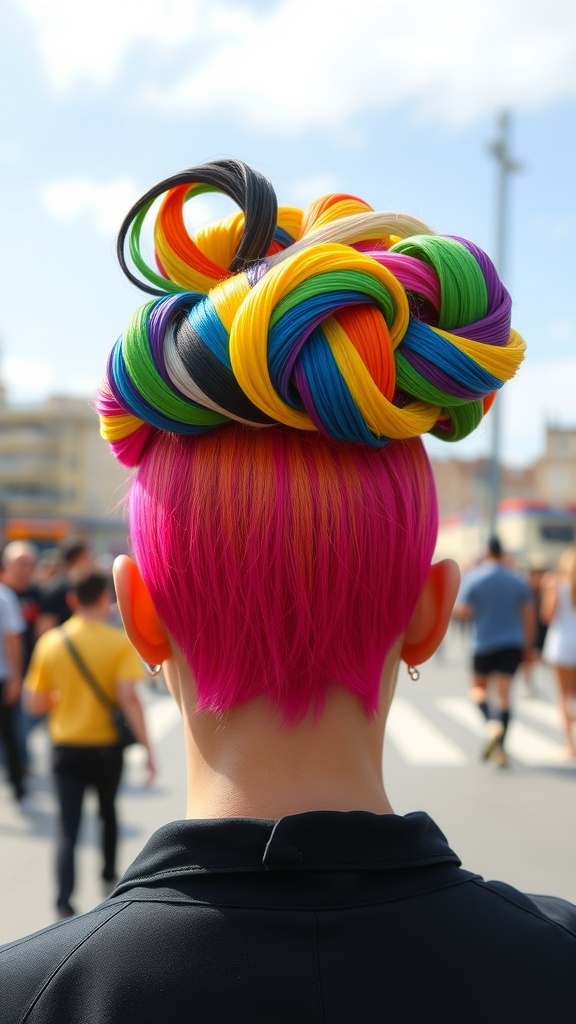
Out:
{"x": 498, "y": 604}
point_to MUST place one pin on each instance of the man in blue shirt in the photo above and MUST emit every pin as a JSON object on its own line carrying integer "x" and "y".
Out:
{"x": 499, "y": 605}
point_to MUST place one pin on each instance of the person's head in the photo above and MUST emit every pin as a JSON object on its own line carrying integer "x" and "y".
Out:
{"x": 283, "y": 514}
{"x": 494, "y": 549}
{"x": 74, "y": 551}
{"x": 19, "y": 560}
{"x": 88, "y": 590}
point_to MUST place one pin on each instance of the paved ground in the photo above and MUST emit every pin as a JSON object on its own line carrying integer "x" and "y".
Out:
{"x": 518, "y": 825}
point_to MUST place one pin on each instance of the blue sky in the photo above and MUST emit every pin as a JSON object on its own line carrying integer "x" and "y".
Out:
{"x": 395, "y": 102}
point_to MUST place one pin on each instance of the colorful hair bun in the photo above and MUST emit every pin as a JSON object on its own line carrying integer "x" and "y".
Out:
{"x": 179, "y": 259}
{"x": 267, "y": 317}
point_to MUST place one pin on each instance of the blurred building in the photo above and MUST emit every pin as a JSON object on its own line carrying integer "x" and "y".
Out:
{"x": 464, "y": 486}
{"x": 555, "y": 472}
{"x": 533, "y": 534}
{"x": 537, "y": 512}
{"x": 57, "y": 476}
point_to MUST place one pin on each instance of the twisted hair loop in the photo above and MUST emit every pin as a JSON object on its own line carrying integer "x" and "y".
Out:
{"x": 364, "y": 326}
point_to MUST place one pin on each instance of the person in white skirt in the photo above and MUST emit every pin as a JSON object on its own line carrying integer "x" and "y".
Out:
{"x": 559, "y": 651}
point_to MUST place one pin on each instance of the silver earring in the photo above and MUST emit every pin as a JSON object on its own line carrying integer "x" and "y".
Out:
{"x": 152, "y": 670}
{"x": 413, "y": 673}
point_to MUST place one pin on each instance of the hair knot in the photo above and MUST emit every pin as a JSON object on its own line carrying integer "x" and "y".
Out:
{"x": 336, "y": 319}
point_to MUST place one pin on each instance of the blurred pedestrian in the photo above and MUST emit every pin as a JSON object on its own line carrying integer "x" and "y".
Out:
{"x": 11, "y": 628}
{"x": 19, "y": 561}
{"x": 86, "y": 750}
{"x": 48, "y": 567}
{"x": 536, "y": 573}
{"x": 55, "y": 609}
{"x": 499, "y": 605}
{"x": 559, "y": 651}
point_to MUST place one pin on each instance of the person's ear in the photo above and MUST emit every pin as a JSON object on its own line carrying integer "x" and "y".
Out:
{"x": 143, "y": 627}
{"x": 432, "y": 613}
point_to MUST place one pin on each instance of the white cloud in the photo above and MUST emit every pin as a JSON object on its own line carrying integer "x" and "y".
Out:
{"x": 27, "y": 380}
{"x": 105, "y": 203}
{"x": 91, "y": 41}
{"x": 303, "y": 64}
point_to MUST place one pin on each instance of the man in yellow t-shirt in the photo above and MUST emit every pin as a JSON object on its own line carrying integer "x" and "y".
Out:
{"x": 86, "y": 751}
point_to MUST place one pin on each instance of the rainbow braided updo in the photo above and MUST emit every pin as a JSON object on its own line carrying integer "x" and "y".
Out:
{"x": 364, "y": 326}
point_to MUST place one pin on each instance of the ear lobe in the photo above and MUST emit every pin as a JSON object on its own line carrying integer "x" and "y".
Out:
{"x": 431, "y": 616}
{"x": 143, "y": 627}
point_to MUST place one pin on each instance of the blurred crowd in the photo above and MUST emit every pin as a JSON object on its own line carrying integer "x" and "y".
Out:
{"x": 518, "y": 618}
{"x": 66, "y": 661}
{"x": 33, "y": 599}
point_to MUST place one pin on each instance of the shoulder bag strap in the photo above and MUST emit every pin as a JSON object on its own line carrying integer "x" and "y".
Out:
{"x": 85, "y": 671}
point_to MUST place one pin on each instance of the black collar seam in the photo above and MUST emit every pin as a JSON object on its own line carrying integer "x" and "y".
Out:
{"x": 253, "y": 866}
{"x": 314, "y": 907}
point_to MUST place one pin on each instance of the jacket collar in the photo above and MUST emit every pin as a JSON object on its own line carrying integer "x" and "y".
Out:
{"x": 338, "y": 840}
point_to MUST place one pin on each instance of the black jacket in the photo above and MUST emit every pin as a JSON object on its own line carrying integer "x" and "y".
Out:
{"x": 328, "y": 917}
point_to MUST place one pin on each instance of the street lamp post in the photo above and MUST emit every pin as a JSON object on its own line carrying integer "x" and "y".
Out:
{"x": 506, "y": 166}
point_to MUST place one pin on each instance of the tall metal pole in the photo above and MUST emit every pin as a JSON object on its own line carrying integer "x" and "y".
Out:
{"x": 506, "y": 166}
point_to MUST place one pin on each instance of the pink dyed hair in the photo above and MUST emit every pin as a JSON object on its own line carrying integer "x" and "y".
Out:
{"x": 283, "y": 563}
